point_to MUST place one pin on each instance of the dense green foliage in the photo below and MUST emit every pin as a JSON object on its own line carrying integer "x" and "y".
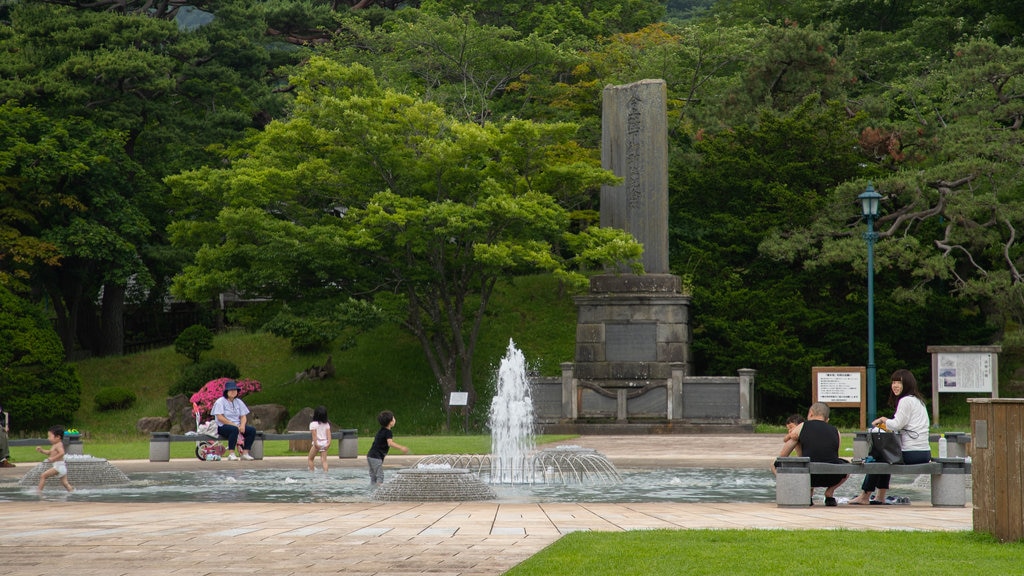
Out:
{"x": 380, "y": 167}
{"x": 36, "y": 384}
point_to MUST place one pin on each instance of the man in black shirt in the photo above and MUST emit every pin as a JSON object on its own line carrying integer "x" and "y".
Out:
{"x": 819, "y": 441}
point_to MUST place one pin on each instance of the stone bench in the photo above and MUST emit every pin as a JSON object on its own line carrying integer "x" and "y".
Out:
{"x": 956, "y": 444}
{"x": 793, "y": 477}
{"x": 72, "y": 444}
{"x": 160, "y": 442}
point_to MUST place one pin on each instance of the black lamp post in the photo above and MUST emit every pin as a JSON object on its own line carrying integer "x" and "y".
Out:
{"x": 869, "y": 208}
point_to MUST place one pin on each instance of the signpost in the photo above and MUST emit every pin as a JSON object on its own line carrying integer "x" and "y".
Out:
{"x": 459, "y": 399}
{"x": 840, "y": 387}
{"x": 968, "y": 369}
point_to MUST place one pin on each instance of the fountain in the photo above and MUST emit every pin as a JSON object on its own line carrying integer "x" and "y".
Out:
{"x": 83, "y": 470}
{"x": 434, "y": 484}
{"x": 514, "y": 459}
{"x": 511, "y": 421}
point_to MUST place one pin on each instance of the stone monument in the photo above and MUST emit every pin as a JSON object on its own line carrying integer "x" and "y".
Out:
{"x": 633, "y": 338}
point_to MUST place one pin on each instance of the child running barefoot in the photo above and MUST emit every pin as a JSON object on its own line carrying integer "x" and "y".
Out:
{"x": 320, "y": 431}
{"x": 55, "y": 456}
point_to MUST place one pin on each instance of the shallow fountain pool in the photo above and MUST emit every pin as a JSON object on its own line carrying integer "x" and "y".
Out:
{"x": 352, "y": 485}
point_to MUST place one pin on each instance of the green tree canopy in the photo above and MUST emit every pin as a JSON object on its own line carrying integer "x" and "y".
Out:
{"x": 372, "y": 193}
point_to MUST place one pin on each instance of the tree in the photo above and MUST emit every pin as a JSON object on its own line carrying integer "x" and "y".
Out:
{"x": 37, "y": 154}
{"x": 37, "y": 386}
{"x": 145, "y": 98}
{"x": 433, "y": 212}
{"x": 949, "y": 142}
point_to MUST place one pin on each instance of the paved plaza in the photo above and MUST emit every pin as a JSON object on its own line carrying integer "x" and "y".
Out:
{"x": 58, "y": 536}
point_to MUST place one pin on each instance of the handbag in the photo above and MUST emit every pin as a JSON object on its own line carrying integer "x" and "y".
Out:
{"x": 885, "y": 447}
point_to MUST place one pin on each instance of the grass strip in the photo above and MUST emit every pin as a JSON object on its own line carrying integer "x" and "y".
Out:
{"x": 763, "y": 552}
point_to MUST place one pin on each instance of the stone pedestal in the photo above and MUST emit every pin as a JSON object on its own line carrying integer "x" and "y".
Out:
{"x": 631, "y": 332}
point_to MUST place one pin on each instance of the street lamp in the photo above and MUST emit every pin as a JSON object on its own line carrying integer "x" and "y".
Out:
{"x": 869, "y": 208}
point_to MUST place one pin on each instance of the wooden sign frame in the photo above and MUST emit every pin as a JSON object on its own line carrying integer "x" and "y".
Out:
{"x": 841, "y": 387}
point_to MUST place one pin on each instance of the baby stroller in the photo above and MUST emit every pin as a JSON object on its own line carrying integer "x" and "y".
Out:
{"x": 207, "y": 450}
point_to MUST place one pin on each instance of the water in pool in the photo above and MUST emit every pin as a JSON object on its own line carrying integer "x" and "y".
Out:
{"x": 352, "y": 485}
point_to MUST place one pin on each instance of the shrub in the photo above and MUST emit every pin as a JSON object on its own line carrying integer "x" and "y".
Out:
{"x": 115, "y": 398}
{"x": 193, "y": 341}
{"x": 36, "y": 384}
{"x": 195, "y": 376}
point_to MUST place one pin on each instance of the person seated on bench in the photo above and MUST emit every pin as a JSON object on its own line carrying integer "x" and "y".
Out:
{"x": 230, "y": 413}
{"x": 819, "y": 441}
{"x": 912, "y": 422}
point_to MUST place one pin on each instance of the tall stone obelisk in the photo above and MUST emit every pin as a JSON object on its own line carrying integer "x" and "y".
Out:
{"x": 632, "y": 331}
{"x": 634, "y": 145}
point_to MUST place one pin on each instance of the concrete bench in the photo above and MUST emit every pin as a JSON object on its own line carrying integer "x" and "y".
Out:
{"x": 72, "y": 444}
{"x": 956, "y": 444}
{"x": 160, "y": 442}
{"x": 949, "y": 478}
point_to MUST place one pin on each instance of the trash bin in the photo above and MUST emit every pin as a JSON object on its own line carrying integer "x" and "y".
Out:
{"x": 348, "y": 446}
{"x": 257, "y": 446}
{"x": 860, "y": 445}
{"x": 73, "y": 444}
{"x": 997, "y": 425}
{"x": 160, "y": 447}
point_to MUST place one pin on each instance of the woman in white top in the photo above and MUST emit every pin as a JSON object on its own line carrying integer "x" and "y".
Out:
{"x": 912, "y": 422}
{"x": 231, "y": 415}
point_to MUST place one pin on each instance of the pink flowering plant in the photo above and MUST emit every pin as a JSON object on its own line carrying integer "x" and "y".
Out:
{"x": 203, "y": 400}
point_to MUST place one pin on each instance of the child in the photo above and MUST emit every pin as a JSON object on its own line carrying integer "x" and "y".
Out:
{"x": 382, "y": 442}
{"x": 320, "y": 431}
{"x": 55, "y": 456}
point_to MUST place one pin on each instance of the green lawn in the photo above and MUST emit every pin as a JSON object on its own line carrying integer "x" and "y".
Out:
{"x": 773, "y": 552}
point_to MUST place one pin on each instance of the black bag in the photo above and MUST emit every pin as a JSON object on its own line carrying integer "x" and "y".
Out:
{"x": 885, "y": 447}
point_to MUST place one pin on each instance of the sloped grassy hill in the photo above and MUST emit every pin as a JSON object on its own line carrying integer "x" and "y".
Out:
{"x": 386, "y": 370}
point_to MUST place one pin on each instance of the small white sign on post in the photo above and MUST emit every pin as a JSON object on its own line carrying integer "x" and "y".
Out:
{"x": 458, "y": 399}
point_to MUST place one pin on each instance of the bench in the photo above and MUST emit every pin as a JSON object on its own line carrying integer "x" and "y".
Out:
{"x": 793, "y": 477}
{"x": 160, "y": 442}
{"x": 72, "y": 444}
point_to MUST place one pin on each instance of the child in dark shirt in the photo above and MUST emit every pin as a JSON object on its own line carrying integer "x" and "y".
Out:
{"x": 382, "y": 442}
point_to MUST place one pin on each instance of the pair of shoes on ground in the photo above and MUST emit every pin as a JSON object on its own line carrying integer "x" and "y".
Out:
{"x": 245, "y": 456}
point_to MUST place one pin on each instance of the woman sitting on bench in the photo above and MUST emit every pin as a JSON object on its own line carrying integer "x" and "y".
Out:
{"x": 912, "y": 422}
{"x": 230, "y": 412}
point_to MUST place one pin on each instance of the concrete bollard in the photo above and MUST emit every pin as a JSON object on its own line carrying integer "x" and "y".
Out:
{"x": 793, "y": 481}
{"x": 956, "y": 444}
{"x": 950, "y": 487}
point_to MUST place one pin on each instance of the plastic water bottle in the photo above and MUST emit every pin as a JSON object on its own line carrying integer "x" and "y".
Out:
{"x": 943, "y": 450}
